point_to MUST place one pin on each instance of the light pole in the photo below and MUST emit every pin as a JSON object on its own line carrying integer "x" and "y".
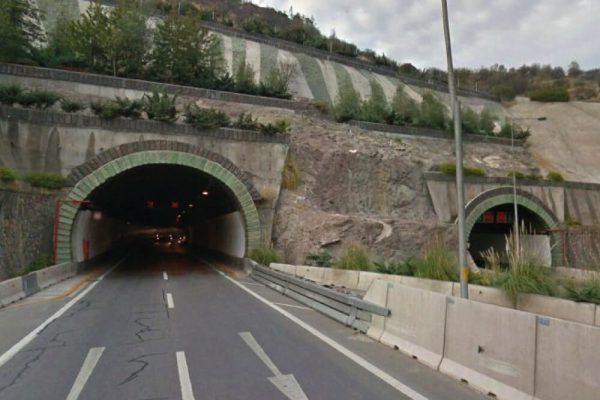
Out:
{"x": 514, "y": 180}
{"x": 460, "y": 189}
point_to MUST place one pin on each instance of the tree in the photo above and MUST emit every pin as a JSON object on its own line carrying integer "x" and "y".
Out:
{"x": 184, "y": 51}
{"x": 486, "y": 122}
{"x": 574, "y": 69}
{"x": 404, "y": 109}
{"x": 347, "y": 106}
{"x": 87, "y": 37}
{"x": 470, "y": 120}
{"x": 433, "y": 113}
{"x": 20, "y": 31}
{"x": 376, "y": 108}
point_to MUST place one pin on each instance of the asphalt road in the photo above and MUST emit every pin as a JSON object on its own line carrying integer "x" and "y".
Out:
{"x": 165, "y": 325}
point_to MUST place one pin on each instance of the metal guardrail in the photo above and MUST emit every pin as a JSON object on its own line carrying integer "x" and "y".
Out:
{"x": 346, "y": 309}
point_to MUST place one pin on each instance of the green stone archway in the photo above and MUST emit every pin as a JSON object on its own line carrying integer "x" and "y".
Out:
{"x": 84, "y": 187}
{"x": 504, "y": 195}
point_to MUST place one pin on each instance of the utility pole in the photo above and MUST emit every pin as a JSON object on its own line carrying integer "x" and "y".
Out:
{"x": 460, "y": 189}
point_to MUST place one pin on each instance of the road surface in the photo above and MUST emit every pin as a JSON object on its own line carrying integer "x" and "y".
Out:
{"x": 165, "y": 325}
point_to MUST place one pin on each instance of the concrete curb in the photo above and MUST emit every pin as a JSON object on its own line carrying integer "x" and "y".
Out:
{"x": 11, "y": 290}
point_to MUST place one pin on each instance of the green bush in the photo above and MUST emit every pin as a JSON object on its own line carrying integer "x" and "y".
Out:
{"x": 376, "y": 108}
{"x": 278, "y": 127}
{"x": 206, "y": 118}
{"x": 9, "y": 94}
{"x": 46, "y": 180}
{"x": 550, "y": 94}
{"x": 120, "y": 107}
{"x": 519, "y": 133}
{"x": 160, "y": 106}
{"x": 534, "y": 177}
{"x": 277, "y": 82}
{"x": 354, "y": 257}
{"x": 71, "y": 106}
{"x": 322, "y": 258}
{"x": 7, "y": 174}
{"x": 555, "y": 176}
{"x": 41, "y": 261}
{"x": 517, "y": 174}
{"x": 433, "y": 113}
{"x": 246, "y": 121}
{"x": 38, "y": 98}
{"x": 405, "y": 111}
{"x": 406, "y": 268}
{"x": 436, "y": 262}
{"x": 449, "y": 168}
{"x": 470, "y": 121}
{"x": 526, "y": 276}
{"x": 587, "y": 291}
{"x": 348, "y": 104}
{"x": 265, "y": 254}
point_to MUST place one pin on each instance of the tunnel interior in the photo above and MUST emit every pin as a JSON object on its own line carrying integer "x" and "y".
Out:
{"x": 494, "y": 227}
{"x": 165, "y": 205}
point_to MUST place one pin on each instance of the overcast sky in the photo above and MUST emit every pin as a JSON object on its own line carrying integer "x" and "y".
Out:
{"x": 484, "y": 32}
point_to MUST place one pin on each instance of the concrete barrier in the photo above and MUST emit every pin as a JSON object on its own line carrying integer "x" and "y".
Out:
{"x": 442, "y": 287}
{"x": 416, "y": 324}
{"x": 584, "y": 313}
{"x": 377, "y": 294}
{"x": 314, "y": 274}
{"x": 365, "y": 279}
{"x": 490, "y": 347}
{"x": 30, "y": 284}
{"x": 597, "y": 321}
{"x": 484, "y": 294}
{"x": 52, "y": 275}
{"x": 341, "y": 278}
{"x": 11, "y": 290}
{"x": 285, "y": 268}
{"x": 567, "y": 360}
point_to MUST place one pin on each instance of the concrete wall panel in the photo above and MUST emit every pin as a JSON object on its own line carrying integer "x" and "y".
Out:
{"x": 341, "y": 278}
{"x": 377, "y": 294}
{"x": 557, "y": 308}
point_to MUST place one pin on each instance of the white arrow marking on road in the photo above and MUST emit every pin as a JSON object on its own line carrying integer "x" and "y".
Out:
{"x": 88, "y": 366}
{"x": 287, "y": 384}
{"x": 165, "y": 276}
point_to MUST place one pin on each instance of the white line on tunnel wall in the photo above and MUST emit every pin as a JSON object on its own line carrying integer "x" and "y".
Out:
{"x": 165, "y": 276}
{"x": 170, "y": 303}
{"x": 184, "y": 377}
{"x": 87, "y": 368}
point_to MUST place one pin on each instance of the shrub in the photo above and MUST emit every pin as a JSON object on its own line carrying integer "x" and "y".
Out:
{"x": 449, "y": 168}
{"x": 433, "y": 113}
{"x": 290, "y": 179}
{"x": 322, "y": 106}
{"x": 354, "y": 257}
{"x": 376, "y": 108}
{"x": 265, "y": 254}
{"x": 7, "y": 174}
{"x": 38, "y": 98}
{"x": 406, "y": 268}
{"x": 519, "y": 133}
{"x": 280, "y": 126}
{"x": 322, "y": 258}
{"x": 244, "y": 79}
{"x": 405, "y": 110}
{"x": 246, "y": 121}
{"x": 533, "y": 176}
{"x": 486, "y": 122}
{"x": 347, "y": 105}
{"x": 120, "y": 107}
{"x": 550, "y": 94}
{"x": 160, "y": 106}
{"x": 517, "y": 174}
{"x": 9, "y": 94}
{"x": 470, "y": 121}
{"x": 46, "y": 180}
{"x": 41, "y": 261}
{"x": 71, "y": 106}
{"x": 278, "y": 81}
{"x": 555, "y": 176}
{"x": 206, "y": 118}
{"x": 436, "y": 262}
{"x": 587, "y": 291}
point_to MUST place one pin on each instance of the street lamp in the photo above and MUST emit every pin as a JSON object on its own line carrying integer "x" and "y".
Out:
{"x": 514, "y": 180}
{"x": 460, "y": 188}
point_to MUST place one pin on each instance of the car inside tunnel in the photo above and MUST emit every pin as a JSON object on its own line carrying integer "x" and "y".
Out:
{"x": 494, "y": 229}
{"x": 166, "y": 206}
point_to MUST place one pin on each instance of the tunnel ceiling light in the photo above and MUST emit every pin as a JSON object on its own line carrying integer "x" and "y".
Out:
{"x": 205, "y": 193}
{"x": 190, "y": 205}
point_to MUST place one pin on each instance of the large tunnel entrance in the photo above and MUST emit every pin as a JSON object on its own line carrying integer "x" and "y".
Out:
{"x": 163, "y": 198}
{"x": 490, "y": 222}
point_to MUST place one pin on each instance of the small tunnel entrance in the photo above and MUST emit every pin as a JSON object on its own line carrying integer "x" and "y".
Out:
{"x": 164, "y": 205}
{"x": 494, "y": 227}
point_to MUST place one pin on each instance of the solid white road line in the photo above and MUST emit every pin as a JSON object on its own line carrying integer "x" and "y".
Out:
{"x": 86, "y": 371}
{"x": 384, "y": 376}
{"x": 170, "y": 303}
{"x": 184, "y": 377}
{"x": 165, "y": 276}
{"x": 10, "y": 353}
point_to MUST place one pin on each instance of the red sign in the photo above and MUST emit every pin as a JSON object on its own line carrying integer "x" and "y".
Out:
{"x": 149, "y": 203}
{"x": 174, "y": 204}
{"x": 488, "y": 217}
{"x": 501, "y": 217}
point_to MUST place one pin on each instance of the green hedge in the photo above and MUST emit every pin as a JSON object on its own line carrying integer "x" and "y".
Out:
{"x": 46, "y": 180}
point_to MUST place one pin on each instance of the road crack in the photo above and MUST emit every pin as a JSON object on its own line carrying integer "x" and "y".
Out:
{"x": 143, "y": 365}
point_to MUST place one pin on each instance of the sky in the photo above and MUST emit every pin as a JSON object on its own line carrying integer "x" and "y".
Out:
{"x": 483, "y": 32}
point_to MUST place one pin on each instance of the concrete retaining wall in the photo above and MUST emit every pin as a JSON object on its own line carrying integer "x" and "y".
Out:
{"x": 11, "y": 290}
{"x": 584, "y": 313}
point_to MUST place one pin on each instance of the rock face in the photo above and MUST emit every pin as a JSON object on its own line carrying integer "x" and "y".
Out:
{"x": 366, "y": 187}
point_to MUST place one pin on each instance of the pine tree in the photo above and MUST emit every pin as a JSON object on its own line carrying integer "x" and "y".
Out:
{"x": 20, "y": 31}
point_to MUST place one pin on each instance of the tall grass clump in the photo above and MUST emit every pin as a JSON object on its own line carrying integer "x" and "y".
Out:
{"x": 322, "y": 258}
{"x": 9, "y": 94}
{"x": 354, "y": 257}
{"x": 265, "y": 254}
{"x": 587, "y": 291}
{"x": 160, "y": 106}
{"x": 46, "y": 180}
{"x": 7, "y": 174}
{"x": 436, "y": 262}
{"x": 206, "y": 118}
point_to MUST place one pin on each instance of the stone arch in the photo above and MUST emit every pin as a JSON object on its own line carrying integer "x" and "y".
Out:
{"x": 112, "y": 162}
{"x": 504, "y": 195}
